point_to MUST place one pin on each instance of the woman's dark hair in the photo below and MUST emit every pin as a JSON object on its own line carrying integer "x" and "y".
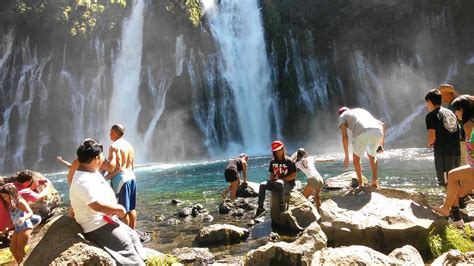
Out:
{"x": 24, "y": 176}
{"x": 466, "y": 103}
{"x": 434, "y": 96}
{"x": 11, "y": 190}
{"x": 88, "y": 150}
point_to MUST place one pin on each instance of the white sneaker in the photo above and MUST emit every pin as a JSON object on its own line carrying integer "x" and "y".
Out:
{"x": 464, "y": 211}
{"x": 459, "y": 223}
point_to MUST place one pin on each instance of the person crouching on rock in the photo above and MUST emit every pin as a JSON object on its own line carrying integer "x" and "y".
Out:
{"x": 21, "y": 215}
{"x": 305, "y": 163}
{"x": 231, "y": 174}
{"x": 282, "y": 177}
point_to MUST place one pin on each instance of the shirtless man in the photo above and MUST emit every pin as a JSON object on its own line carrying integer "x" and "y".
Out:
{"x": 122, "y": 178}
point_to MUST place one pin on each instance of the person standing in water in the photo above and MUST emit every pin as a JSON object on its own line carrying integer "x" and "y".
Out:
{"x": 122, "y": 178}
{"x": 305, "y": 163}
{"x": 231, "y": 174}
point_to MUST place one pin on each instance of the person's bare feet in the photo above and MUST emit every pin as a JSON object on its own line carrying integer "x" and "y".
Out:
{"x": 440, "y": 210}
{"x": 224, "y": 196}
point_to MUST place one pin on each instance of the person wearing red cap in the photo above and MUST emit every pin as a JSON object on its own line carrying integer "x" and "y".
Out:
{"x": 368, "y": 136}
{"x": 281, "y": 179}
{"x": 231, "y": 174}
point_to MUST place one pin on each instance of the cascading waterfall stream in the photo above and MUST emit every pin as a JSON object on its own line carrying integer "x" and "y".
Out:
{"x": 124, "y": 105}
{"x": 237, "y": 28}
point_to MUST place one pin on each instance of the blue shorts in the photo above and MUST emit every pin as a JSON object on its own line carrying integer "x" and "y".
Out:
{"x": 29, "y": 223}
{"x": 128, "y": 195}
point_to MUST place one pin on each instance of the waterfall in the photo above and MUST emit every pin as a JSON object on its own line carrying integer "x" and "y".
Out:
{"x": 237, "y": 29}
{"x": 371, "y": 86}
{"x": 124, "y": 106}
{"x": 310, "y": 76}
{"x": 19, "y": 101}
{"x": 396, "y": 131}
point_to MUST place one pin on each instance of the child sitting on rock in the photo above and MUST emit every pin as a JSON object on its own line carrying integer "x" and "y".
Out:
{"x": 22, "y": 217}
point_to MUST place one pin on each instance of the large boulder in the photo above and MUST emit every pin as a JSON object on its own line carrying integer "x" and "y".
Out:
{"x": 382, "y": 219}
{"x": 407, "y": 255}
{"x": 300, "y": 212}
{"x": 221, "y": 233}
{"x": 352, "y": 255}
{"x": 454, "y": 257}
{"x": 345, "y": 180}
{"x": 61, "y": 242}
{"x": 194, "y": 256}
{"x": 299, "y": 252}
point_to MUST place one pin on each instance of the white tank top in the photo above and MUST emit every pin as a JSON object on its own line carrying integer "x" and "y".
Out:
{"x": 310, "y": 171}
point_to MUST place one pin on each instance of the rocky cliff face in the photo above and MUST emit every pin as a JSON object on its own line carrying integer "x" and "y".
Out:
{"x": 380, "y": 56}
{"x": 56, "y": 89}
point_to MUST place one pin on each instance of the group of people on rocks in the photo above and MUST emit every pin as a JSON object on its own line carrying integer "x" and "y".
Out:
{"x": 368, "y": 137}
{"x": 105, "y": 211}
{"x": 450, "y": 122}
{"x": 22, "y": 208}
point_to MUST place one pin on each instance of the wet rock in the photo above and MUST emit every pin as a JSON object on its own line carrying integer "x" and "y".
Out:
{"x": 345, "y": 180}
{"x": 407, "y": 255}
{"x": 176, "y": 202}
{"x": 195, "y": 256}
{"x": 299, "y": 252}
{"x": 208, "y": 218}
{"x": 229, "y": 206}
{"x": 172, "y": 221}
{"x": 375, "y": 220}
{"x": 352, "y": 255}
{"x": 192, "y": 211}
{"x": 247, "y": 190}
{"x": 185, "y": 212}
{"x": 226, "y": 206}
{"x": 238, "y": 213}
{"x": 274, "y": 237}
{"x": 159, "y": 217}
{"x": 454, "y": 257}
{"x": 144, "y": 236}
{"x": 300, "y": 212}
{"x": 221, "y": 233}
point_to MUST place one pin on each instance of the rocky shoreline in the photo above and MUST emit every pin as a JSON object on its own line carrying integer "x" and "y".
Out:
{"x": 367, "y": 226}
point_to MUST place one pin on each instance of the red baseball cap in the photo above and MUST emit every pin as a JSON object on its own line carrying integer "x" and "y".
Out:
{"x": 342, "y": 110}
{"x": 277, "y": 145}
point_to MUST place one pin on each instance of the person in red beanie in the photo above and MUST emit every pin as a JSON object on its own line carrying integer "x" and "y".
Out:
{"x": 281, "y": 179}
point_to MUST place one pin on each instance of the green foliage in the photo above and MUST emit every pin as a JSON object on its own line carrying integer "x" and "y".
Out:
{"x": 80, "y": 17}
{"x": 194, "y": 11}
{"x": 162, "y": 260}
{"x": 451, "y": 238}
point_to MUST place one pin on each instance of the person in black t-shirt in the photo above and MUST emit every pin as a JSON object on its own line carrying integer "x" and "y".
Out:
{"x": 443, "y": 135}
{"x": 281, "y": 179}
{"x": 231, "y": 174}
